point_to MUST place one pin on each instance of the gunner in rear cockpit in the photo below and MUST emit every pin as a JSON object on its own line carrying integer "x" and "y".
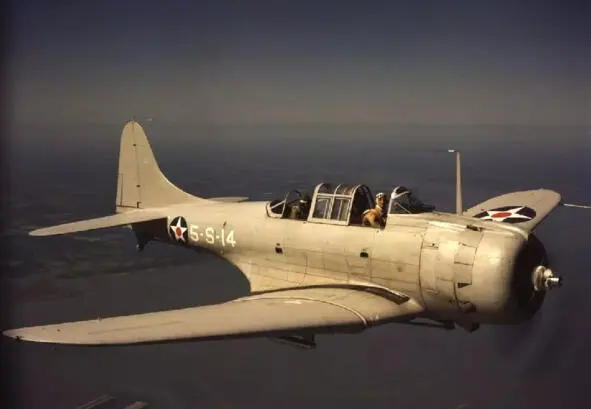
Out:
{"x": 300, "y": 209}
{"x": 375, "y": 217}
{"x": 304, "y": 207}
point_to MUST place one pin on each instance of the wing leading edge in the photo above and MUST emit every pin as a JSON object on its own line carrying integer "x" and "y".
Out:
{"x": 321, "y": 310}
{"x": 525, "y": 209}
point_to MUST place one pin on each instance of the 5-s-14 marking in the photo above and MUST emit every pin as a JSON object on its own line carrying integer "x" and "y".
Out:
{"x": 225, "y": 238}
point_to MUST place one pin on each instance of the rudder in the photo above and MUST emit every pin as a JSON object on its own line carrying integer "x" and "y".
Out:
{"x": 140, "y": 182}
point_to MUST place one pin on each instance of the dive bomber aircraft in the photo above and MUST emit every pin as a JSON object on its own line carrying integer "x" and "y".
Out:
{"x": 315, "y": 268}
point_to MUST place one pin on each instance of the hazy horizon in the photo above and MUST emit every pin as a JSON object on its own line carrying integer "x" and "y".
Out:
{"x": 274, "y": 62}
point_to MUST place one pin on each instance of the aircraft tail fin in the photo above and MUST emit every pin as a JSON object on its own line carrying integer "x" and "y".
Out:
{"x": 141, "y": 184}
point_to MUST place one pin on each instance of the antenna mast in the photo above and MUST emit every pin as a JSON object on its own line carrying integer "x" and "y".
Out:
{"x": 459, "y": 206}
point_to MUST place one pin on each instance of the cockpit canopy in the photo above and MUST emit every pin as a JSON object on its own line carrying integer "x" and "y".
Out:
{"x": 402, "y": 201}
{"x": 342, "y": 204}
{"x": 330, "y": 203}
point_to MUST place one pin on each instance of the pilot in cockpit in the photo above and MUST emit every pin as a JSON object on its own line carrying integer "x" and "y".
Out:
{"x": 375, "y": 217}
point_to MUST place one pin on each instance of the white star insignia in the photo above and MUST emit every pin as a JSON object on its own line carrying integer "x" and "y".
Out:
{"x": 500, "y": 215}
{"x": 178, "y": 230}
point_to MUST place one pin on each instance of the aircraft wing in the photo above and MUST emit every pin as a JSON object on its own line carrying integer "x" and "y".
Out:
{"x": 116, "y": 220}
{"x": 525, "y": 209}
{"x": 278, "y": 313}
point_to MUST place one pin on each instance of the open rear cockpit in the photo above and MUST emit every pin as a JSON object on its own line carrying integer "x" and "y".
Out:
{"x": 295, "y": 206}
{"x": 342, "y": 204}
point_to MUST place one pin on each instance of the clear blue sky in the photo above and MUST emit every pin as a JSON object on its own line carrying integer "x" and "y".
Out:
{"x": 454, "y": 62}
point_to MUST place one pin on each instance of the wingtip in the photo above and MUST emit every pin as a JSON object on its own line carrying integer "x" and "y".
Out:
{"x": 31, "y": 334}
{"x": 45, "y": 231}
{"x": 13, "y": 333}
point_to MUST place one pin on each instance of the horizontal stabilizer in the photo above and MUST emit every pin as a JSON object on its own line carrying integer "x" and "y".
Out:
{"x": 524, "y": 209}
{"x": 230, "y": 199}
{"x": 318, "y": 310}
{"x": 116, "y": 220}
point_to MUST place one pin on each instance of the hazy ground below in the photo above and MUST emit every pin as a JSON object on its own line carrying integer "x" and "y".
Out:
{"x": 65, "y": 173}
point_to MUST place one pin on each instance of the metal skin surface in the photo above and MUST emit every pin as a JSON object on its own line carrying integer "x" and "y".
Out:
{"x": 483, "y": 266}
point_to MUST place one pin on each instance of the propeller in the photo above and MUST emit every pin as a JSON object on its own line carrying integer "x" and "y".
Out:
{"x": 539, "y": 343}
{"x": 527, "y": 344}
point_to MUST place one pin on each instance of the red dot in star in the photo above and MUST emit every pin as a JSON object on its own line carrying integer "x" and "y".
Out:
{"x": 502, "y": 214}
{"x": 178, "y": 232}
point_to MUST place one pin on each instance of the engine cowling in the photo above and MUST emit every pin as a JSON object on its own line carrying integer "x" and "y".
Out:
{"x": 484, "y": 276}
